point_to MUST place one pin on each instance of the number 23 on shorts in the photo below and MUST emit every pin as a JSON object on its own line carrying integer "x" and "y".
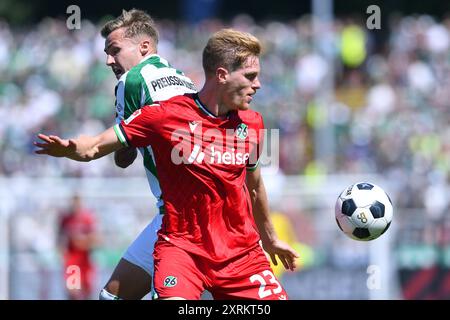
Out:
{"x": 268, "y": 285}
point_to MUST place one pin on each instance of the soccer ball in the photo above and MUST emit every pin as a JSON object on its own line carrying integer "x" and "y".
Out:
{"x": 363, "y": 211}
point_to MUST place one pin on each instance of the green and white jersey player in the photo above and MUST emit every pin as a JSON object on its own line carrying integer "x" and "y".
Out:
{"x": 153, "y": 79}
{"x": 144, "y": 77}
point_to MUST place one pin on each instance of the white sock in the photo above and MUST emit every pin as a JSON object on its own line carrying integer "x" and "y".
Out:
{"x": 105, "y": 295}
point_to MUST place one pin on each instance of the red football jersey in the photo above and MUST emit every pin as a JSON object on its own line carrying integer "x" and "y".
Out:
{"x": 201, "y": 163}
{"x": 74, "y": 225}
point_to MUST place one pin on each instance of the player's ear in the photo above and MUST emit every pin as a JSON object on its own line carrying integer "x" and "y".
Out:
{"x": 221, "y": 75}
{"x": 145, "y": 46}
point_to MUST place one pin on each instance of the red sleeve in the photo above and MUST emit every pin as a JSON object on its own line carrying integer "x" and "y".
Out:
{"x": 141, "y": 128}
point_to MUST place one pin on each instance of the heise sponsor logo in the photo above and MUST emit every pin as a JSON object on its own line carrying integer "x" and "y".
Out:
{"x": 218, "y": 156}
{"x": 239, "y": 146}
{"x": 214, "y": 146}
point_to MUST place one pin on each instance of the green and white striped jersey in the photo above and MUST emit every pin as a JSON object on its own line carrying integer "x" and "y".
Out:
{"x": 153, "y": 79}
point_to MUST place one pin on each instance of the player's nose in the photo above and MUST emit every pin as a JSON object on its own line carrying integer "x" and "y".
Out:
{"x": 256, "y": 84}
{"x": 109, "y": 60}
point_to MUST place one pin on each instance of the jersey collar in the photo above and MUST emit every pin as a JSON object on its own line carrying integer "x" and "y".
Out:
{"x": 205, "y": 110}
{"x": 148, "y": 57}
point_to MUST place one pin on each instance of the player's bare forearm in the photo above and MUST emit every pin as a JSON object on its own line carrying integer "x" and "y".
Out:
{"x": 125, "y": 156}
{"x": 83, "y": 148}
{"x": 260, "y": 205}
{"x": 271, "y": 243}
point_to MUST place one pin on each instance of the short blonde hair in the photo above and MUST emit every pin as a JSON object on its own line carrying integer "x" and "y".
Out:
{"x": 136, "y": 23}
{"x": 229, "y": 48}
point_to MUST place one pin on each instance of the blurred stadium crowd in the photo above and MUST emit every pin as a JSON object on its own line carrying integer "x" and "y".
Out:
{"x": 389, "y": 115}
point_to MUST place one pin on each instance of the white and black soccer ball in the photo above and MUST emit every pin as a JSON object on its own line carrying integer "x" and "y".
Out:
{"x": 363, "y": 211}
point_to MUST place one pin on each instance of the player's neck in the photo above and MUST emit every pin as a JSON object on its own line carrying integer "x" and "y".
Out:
{"x": 210, "y": 98}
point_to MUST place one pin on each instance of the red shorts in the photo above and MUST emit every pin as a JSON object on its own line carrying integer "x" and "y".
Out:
{"x": 178, "y": 273}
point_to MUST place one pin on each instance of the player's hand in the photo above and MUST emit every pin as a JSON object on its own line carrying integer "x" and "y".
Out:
{"x": 285, "y": 253}
{"x": 54, "y": 146}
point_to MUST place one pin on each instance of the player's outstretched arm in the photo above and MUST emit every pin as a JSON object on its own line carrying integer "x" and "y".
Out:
{"x": 271, "y": 244}
{"x": 83, "y": 148}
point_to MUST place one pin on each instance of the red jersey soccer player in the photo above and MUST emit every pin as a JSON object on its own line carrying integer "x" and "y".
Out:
{"x": 207, "y": 146}
{"x": 77, "y": 238}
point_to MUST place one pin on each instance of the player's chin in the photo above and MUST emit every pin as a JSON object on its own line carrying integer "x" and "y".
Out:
{"x": 118, "y": 73}
{"x": 244, "y": 106}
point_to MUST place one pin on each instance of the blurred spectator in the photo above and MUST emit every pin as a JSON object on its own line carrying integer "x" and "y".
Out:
{"x": 77, "y": 239}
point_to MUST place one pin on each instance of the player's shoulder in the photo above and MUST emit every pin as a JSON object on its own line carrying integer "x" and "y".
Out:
{"x": 186, "y": 99}
{"x": 176, "y": 104}
{"x": 251, "y": 117}
{"x": 131, "y": 79}
{"x": 151, "y": 64}
{"x": 155, "y": 60}
{"x": 154, "y": 66}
